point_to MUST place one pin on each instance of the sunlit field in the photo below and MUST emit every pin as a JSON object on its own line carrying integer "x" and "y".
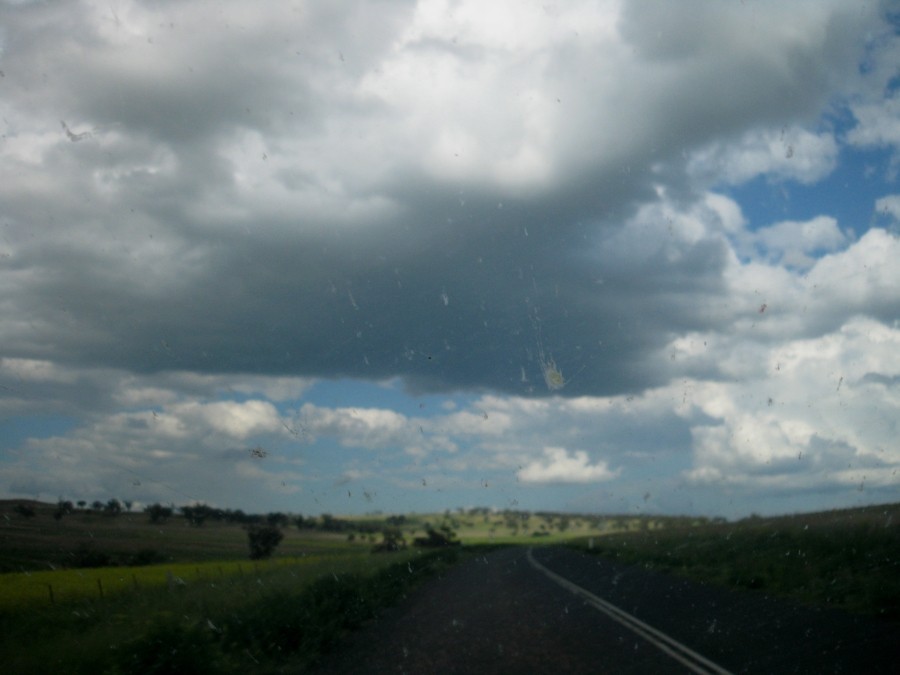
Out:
{"x": 201, "y": 591}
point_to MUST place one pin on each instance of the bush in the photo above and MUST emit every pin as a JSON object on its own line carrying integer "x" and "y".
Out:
{"x": 24, "y": 510}
{"x": 437, "y": 539}
{"x": 172, "y": 649}
{"x": 392, "y": 540}
{"x": 85, "y": 555}
{"x": 146, "y": 556}
{"x": 263, "y": 539}
{"x": 158, "y": 513}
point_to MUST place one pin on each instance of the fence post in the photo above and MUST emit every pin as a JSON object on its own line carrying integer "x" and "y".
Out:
{"x": 100, "y": 586}
{"x": 50, "y": 588}
{"x": 134, "y": 579}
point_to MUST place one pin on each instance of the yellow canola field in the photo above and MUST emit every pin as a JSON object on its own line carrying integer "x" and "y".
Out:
{"x": 19, "y": 590}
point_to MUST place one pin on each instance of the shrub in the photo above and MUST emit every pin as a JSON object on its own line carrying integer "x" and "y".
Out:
{"x": 392, "y": 540}
{"x": 24, "y": 510}
{"x": 158, "y": 513}
{"x": 171, "y": 649}
{"x": 85, "y": 555}
{"x": 437, "y": 539}
{"x": 263, "y": 539}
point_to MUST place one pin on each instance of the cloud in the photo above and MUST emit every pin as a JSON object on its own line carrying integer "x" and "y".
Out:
{"x": 308, "y": 189}
{"x": 889, "y": 206}
{"x": 765, "y": 428}
{"x": 560, "y": 466}
{"x": 877, "y": 124}
{"x": 793, "y": 153}
{"x": 218, "y": 228}
{"x": 798, "y": 244}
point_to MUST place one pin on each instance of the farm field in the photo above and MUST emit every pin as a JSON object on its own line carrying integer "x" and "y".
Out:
{"x": 74, "y": 590}
{"x": 281, "y": 614}
{"x": 41, "y": 542}
{"x": 846, "y": 558}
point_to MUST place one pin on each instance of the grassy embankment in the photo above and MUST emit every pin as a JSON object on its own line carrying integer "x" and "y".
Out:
{"x": 206, "y": 608}
{"x": 847, "y": 558}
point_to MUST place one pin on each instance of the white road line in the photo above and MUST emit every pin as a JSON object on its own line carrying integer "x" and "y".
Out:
{"x": 684, "y": 655}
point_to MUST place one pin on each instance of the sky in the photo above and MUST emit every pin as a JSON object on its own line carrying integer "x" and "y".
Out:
{"x": 618, "y": 256}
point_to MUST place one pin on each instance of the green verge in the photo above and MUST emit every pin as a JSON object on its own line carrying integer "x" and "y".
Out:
{"x": 855, "y": 567}
{"x": 280, "y": 619}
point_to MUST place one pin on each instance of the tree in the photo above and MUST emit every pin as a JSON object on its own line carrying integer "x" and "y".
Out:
{"x": 113, "y": 507}
{"x": 263, "y": 539}
{"x": 128, "y": 504}
{"x": 63, "y": 508}
{"x": 158, "y": 513}
{"x": 197, "y": 514}
{"x": 81, "y": 503}
{"x": 392, "y": 540}
{"x": 97, "y": 505}
{"x": 437, "y": 539}
{"x": 277, "y": 518}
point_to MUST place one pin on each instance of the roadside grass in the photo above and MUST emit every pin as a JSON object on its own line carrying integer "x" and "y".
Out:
{"x": 274, "y": 618}
{"x": 848, "y": 559}
{"x": 28, "y": 589}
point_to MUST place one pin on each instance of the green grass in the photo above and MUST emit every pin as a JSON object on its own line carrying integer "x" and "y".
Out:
{"x": 27, "y": 589}
{"x": 848, "y": 559}
{"x": 42, "y": 543}
{"x": 276, "y": 618}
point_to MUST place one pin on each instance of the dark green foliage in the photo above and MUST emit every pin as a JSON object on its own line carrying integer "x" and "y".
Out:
{"x": 391, "y": 540}
{"x": 311, "y": 622}
{"x": 24, "y": 510}
{"x": 146, "y": 556}
{"x": 85, "y": 555}
{"x": 437, "y": 539}
{"x": 277, "y": 518}
{"x": 158, "y": 513}
{"x": 169, "y": 648}
{"x": 63, "y": 508}
{"x": 263, "y": 540}
{"x": 197, "y": 514}
{"x": 113, "y": 507}
{"x": 850, "y": 566}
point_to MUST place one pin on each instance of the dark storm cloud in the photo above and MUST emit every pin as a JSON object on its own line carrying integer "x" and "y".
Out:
{"x": 353, "y": 256}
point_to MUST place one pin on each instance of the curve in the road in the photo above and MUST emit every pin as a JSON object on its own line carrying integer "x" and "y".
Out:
{"x": 693, "y": 661}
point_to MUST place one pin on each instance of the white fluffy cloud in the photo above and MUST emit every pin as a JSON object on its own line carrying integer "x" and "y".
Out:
{"x": 561, "y": 466}
{"x": 798, "y": 244}
{"x": 793, "y": 153}
{"x": 877, "y": 124}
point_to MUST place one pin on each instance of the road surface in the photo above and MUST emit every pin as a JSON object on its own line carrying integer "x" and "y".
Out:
{"x": 555, "y": 610}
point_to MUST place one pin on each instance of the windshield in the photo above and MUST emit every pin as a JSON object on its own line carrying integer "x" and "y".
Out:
{"x": 362, "y": 259}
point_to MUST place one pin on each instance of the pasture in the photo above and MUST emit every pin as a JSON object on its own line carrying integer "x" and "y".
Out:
{"x": 847, "y": 558}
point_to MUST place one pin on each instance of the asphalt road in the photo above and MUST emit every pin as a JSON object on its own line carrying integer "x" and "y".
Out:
{"x": 556, "y": 610}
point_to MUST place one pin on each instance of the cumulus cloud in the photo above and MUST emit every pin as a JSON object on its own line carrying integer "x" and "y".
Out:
{"x": 793, "y": 153}
{"x": 877, "y": 124}
{"x": 217, "y": 228}
{"x": 561, "y": 466}
{"x": 797, "y": 244}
